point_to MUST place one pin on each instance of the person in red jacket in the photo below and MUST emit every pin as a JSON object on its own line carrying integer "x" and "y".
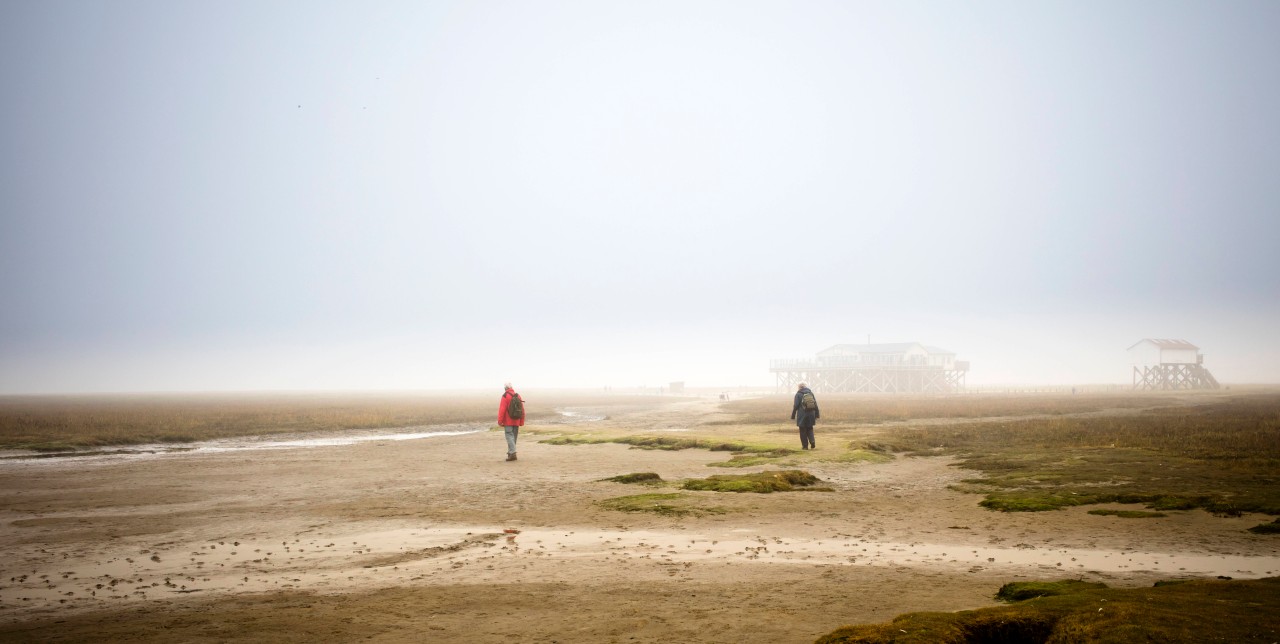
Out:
{"x": 511, "y": 419}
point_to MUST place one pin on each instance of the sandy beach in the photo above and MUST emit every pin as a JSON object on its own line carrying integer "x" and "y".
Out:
{"x": 440, "y": 539}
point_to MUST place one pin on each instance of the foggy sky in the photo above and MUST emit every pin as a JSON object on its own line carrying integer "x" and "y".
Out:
{"x": 306, "y": 195}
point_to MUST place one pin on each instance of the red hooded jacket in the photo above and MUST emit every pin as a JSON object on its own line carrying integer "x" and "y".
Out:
{"x": 503, "y": 419}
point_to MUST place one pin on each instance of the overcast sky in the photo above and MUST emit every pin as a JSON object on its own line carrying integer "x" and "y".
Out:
{"x": 304, "y": 195}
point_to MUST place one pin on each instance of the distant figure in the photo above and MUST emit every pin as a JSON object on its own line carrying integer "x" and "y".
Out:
{"x": 511, "y": 417}
{"x": 805, "y": 413}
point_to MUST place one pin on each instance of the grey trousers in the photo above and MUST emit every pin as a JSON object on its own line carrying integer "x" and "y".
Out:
{"x": 512, "y": 431}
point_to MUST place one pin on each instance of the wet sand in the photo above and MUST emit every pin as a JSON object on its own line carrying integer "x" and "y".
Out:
{"x": 407, "y": 540}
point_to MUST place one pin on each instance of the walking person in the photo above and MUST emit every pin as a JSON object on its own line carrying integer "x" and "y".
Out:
{"x": 805, "y": 413}
{"x": 511, "y": 417}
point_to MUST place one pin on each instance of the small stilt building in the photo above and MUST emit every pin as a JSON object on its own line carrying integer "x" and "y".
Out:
{"x": 899, "y": 367}
{"x": 1169, "y": 364}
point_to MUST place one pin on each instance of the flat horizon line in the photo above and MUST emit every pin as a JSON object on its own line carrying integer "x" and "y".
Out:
{"x": 470, "y": 391}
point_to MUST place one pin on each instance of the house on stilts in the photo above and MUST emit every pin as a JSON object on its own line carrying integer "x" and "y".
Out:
{"x": 899, "y": 367}
{"x": 1169, "y": 364}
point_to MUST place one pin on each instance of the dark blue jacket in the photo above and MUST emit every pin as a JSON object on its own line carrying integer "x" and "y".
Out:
{"x": 804, "y": 417}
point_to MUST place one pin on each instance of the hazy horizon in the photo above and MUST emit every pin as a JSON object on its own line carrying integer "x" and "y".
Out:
{"x": 450, "y": 195}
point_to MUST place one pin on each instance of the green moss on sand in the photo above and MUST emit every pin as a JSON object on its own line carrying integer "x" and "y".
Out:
{"x": 1267, "y": 528}
{"x": 671, "y": 504}
{"x": 761, "y": 482}
{"x": 1022, "y": 590}
{"x": 637, "y": 477}
{"x": 1194, "y": 611}
{"x": 1129, "y": 514}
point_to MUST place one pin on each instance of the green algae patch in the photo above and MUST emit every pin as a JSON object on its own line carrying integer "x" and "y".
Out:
{"x": 670, "y": 504}
{"x": 1023, "y": 590}
{"x": 745, "y": 460}
{"x": 574, "y": 440}
{"x": 636, "y": 477}
{"x": 751, "y": 459}
{"x": 1190, "y": 611}
{"x": 1040, "y": 500}
{"x": 878, "y": 447}
{"x": 1219, "y": 456}
{"x": 1043, "y": 500}
{"x": 1129, "y": 514}
{"x": 1267, "y": 528}
{"x": 1024, "y": 502}
{"x": 760, "y": 483}
{"x": 861, "y": 455}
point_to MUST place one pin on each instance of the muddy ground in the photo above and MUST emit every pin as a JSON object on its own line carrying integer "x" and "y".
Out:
{"x": 408, "y": 541}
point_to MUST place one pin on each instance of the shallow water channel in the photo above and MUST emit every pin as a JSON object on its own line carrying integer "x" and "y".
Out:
{"x": 276, "y": 441}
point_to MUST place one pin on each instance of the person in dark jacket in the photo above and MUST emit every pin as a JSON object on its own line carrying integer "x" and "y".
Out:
{"x": 510, "y": 426}
{"x": 805, "y": 417}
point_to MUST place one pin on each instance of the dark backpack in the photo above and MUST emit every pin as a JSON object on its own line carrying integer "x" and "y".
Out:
{"x": 515, "y": 408}
{"x": 808, "y": 402}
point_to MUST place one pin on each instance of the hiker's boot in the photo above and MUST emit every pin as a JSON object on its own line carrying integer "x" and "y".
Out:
{"x": 511, "y": 457}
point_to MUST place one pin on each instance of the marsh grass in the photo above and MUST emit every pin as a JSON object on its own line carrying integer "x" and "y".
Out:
{"x": 1266, "y": 528}
{"x": 752, "y": 460}
{"x": 861, "y": 451}
{"x": 1129, "y": 514}
{"x": 1023, "y": 590}
{"x": 1194, "y": 611}
{"x": 879, "y": 447}
{"x": 760, "y": 482}
{"x": 673, "y": 504}
{"x": 870, "y": 408}
{"x": 1223, "y": 457}
{"x": 637, "y": 477}
{"x": 52, "y": 423}
{"x": 860, "y": 456}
